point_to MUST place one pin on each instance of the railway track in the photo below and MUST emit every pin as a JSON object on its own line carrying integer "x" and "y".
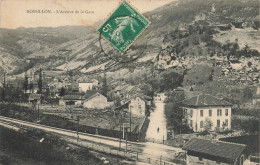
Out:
{"x": 154, "y": 152}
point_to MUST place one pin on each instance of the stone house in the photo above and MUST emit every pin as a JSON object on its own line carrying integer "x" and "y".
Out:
{"x": 201, "y": 109}
{"x": 138, "y": 105}
{"x": 34, "y": 98}
{"x": 71, "y": 99}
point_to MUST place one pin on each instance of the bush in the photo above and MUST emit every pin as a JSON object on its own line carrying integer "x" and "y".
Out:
{"x": 249, "y": 125}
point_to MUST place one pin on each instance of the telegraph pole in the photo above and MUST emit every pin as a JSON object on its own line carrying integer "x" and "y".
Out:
{"x": 120, "y": 138}
{"x": 77, "y": 127}
{"x": 130, "y": 121}
{"x": 126, "y": 139}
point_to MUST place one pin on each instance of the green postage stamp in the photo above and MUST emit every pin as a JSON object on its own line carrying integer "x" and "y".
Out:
{"x": 123, "y": 26}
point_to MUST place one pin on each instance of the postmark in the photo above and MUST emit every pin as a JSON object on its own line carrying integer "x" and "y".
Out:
{"x": 123, "y": 26}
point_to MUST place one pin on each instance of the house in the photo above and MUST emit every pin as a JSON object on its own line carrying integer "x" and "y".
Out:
{"x": 95, "y": 100}
{"x": 120, "y": 88}
{"x": 203, "y": 109}
{"x": 160, "y": 97}
{"x": 202, "y": 151}
{"x": 84, "y": 86}
{"x": 87, "y": 85}
{"x": 139, "y": 104}
{"x": 71, "y": 99}
{"x": 129, "y": 91}
{"x": 32, "y": 87}
{"x": 34, "y": 98}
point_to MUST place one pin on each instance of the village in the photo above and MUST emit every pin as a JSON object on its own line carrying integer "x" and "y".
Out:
{"x": 187, "y": 91}
{"x": 122, "y": 110}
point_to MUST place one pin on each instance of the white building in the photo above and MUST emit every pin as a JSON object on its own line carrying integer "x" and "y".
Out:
{"x": 84, "y": 86}
{"x": 204, "y": 109}
{"x": 87, "y": 85}
{"x": 139, "y": 105}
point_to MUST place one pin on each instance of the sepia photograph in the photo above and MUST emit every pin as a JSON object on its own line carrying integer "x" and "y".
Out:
{"x": 129, "y": 82}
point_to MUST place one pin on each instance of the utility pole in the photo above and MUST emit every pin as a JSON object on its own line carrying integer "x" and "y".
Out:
{"x": 38, "y": 112}
{"x": 77, "y": 127}
{"x": 77, "y": 124}
{"x": 130, "y": 121}
{"x": 126, "y": 139}
{"x": 120, "y": 137}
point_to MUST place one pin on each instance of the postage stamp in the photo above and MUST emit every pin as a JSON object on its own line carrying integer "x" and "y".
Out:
{"x": 123, "y": 26}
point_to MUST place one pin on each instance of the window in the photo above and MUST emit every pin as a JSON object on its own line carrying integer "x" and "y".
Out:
{"x": 226, "y": 112}
{"x": 218, "y": 123}
{"x": 191, "y": 123}
{"x": 191, "y": 113}
{"x": 219, "y": 112}
{"x": 201, "y": 113}
{"x": 185, "y": 112}
{"x": 210, "y": 112}
{"x": 201, "y": 124}
{"x": 139, "y": 106}
{"x": 226, "y": 122}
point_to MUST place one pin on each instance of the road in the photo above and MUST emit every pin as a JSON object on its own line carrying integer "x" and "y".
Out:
{"x": 157, "y": 120}
{"x": 152, "y": 150}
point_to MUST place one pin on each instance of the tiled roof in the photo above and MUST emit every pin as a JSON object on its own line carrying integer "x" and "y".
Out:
{"x": 34, "y": 96}
{"x": 205, "y": 100}
{"x": 73, "y": 97}
{"x": 94, "y": 95}
{"x": 90, "y": 93}
{"x": 121, "y": 87}
{"x": 215, "y": 148}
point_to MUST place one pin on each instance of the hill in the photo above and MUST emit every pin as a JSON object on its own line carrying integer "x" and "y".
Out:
{"x": 181, "y": 29}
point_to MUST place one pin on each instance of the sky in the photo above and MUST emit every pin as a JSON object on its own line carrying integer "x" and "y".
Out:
{"x": 21, "y": 13}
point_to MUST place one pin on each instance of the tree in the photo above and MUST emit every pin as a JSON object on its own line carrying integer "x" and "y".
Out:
{"x": 170, "y": 81}
{"x": 40, "y": 82}
{"x": 174, "y": 112}
{"x": 31, "y": 87}
{"x": 207, "y": 124}
{"x": 62, "y": 91}
{"x": 147, "y": 89}
{"x": 247, "y": 94}
{"x": 249, "y": 64}
{"x": 25, "y": 83}
{"x": 117, "y": 101}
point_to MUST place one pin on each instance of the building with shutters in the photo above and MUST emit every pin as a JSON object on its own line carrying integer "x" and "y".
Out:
{"x": 205, "y": 111}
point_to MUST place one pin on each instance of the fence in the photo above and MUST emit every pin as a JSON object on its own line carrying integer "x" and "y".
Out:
{"x": 133, "y": 155}
{"x": 133, "y": 136}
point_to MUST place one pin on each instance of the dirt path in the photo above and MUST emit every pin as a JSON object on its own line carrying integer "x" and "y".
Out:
{"x": 157, "y": 120}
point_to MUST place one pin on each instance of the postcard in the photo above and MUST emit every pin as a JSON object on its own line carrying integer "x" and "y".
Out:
{"x": 129, "y": 82}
